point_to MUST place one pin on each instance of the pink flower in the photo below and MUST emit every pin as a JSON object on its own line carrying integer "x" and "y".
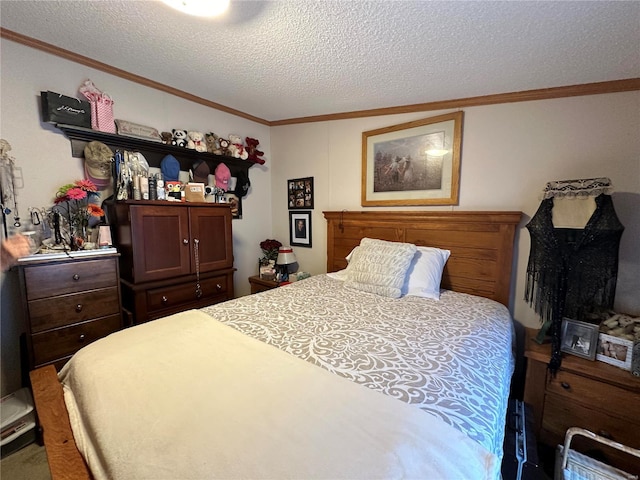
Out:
{"x": 76, "y": 193}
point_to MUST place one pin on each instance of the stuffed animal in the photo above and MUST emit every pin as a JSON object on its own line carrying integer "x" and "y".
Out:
{"x": 224, "y": 146}
{"x": 195, "y": 141}
{"x": 167, "y": 137}
{"x": 179, "y": 138}
{"x": 236, "y": 148}
{"x": 252, "y": 150}
{"x": 212, "y": 142}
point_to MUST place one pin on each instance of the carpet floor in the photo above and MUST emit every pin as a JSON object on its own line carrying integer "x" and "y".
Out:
{"x": 28, "y": 463}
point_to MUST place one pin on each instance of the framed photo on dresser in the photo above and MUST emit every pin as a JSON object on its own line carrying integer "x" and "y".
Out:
{"x": 579, "y": 338}
{"x": 615, "y": 351}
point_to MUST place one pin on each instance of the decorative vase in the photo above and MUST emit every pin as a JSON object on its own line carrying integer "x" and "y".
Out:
{"x": 79, "y": 234}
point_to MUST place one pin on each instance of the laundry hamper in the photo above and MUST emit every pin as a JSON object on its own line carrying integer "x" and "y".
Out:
{"x": 572, "y": 465}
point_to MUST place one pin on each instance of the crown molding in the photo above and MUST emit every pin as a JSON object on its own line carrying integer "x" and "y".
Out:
{"x": 523, "y": 96}
{"x": 89, "y": 62}
{"x": 598, "y": 88}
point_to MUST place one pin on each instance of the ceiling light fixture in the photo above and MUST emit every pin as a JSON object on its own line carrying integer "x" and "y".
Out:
{"x": 200, "y": 8}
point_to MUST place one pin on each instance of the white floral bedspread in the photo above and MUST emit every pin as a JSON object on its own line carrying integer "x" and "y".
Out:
{"x": 453, "y": 358}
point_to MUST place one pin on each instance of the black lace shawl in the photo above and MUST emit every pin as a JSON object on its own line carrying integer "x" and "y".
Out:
{"x": 571, "y": 271}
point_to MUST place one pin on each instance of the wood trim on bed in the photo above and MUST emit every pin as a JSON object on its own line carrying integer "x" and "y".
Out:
{"x": 481, "y": 243}
{"x": 65, "y": 461}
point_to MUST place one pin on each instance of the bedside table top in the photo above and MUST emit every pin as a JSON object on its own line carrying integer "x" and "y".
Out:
{"x": 571, "y": 363}
{"x": 261, "y": 281}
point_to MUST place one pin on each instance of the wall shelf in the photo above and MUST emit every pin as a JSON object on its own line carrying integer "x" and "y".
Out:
{"x": 153, "y": 152}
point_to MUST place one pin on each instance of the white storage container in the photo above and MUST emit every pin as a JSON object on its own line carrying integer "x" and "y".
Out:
{"x": 18, "y": 421}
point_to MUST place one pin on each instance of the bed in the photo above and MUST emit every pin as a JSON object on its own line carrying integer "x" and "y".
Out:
{"x": 329, "y": 377}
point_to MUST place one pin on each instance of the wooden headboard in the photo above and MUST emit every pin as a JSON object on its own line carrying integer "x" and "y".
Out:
{"x": 481, "y": 243}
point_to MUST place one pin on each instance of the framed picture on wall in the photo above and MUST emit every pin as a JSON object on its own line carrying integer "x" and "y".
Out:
{"x": 300, "y": 229}
{"x": 300, "y": 193}
{"x": 414, "y": 163}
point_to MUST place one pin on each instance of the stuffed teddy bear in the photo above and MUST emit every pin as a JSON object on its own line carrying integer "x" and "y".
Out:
{"x": 195, "y": 141}
{"x": 179, "y": 138}
{"x": 211, "y": 140}
{"x": 224, "y": 146}
{"x": 252, "y": 150}
{"x": 167, "y": 137}
{"x": 236, "y": 148}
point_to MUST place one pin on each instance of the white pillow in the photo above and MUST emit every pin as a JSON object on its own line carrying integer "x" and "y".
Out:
{"x": 342, "y": 274}
{"x": 380, "y": 267}
{"x": 425, "y": 273}
{"x": 339, "y": 275}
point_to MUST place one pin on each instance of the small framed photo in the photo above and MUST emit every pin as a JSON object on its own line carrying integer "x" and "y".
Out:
{"x": 300, "y": 229}
{"x": 579, "y": 338}
{"x": 300, "y": 193}
{"x": 615, "y": 351}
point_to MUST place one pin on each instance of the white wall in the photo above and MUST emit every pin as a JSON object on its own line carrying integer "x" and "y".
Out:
{"x": 44, "y": 154}
{"x": 509, "y": 153}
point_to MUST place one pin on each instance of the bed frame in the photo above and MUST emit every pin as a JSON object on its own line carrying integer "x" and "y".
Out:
{"x": 481, "y": 245}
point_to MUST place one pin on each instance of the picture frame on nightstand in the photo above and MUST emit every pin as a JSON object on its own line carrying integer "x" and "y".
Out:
{"x": 579, "y": 338}
{"x": 615, "y": 351}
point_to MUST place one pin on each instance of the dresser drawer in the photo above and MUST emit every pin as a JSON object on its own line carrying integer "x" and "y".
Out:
{"x": 48, "y": 313}
{"x": 587, "y": 391}
{"x": 54, "y": 344}
{"x": 71, "y": 277}
{"x": 559, "y": 415}
{"x": 176, "y": 295}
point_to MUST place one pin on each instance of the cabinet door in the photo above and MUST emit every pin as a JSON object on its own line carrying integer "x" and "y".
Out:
{"x": 160, "y": 240}
{"x": 212, "y": 227}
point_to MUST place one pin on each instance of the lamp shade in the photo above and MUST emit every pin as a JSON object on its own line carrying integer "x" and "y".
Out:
{"x": 285, "y": 256}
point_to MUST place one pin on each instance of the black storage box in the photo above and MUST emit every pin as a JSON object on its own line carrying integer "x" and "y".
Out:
{"x": 57, "y": 108}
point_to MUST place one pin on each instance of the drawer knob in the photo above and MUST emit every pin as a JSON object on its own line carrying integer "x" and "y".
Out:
{"x": 185, "y": 241}
{"x": 76, "y": 277}
{"x": 164, "y": 299}
{"x": 218, "y": 287}
{"x": 565, "y": 385}
{"x": 79, "y": 307}
{"x": 82, "y": 337}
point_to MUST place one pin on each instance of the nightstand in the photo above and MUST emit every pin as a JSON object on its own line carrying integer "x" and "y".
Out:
{"x": 589, "y": 394}
{"x": 260, "y": 285}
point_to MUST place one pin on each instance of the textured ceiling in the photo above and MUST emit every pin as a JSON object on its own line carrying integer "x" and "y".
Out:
{"x": 287, "y": 59}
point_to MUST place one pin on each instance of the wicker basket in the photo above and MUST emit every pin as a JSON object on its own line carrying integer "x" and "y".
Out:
{"x": 572, "y": 465}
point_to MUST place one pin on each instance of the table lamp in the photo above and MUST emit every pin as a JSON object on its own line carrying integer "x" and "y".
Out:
{"x": 286, "y": 257}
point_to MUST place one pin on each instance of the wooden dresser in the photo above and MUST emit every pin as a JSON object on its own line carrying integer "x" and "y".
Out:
{"x": 589, "y": 394}
{"x": 167, "y": 250}
{"x": 69, "y": 303}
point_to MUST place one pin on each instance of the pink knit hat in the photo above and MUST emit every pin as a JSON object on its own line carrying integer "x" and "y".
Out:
{"x": 222, "y": 174}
